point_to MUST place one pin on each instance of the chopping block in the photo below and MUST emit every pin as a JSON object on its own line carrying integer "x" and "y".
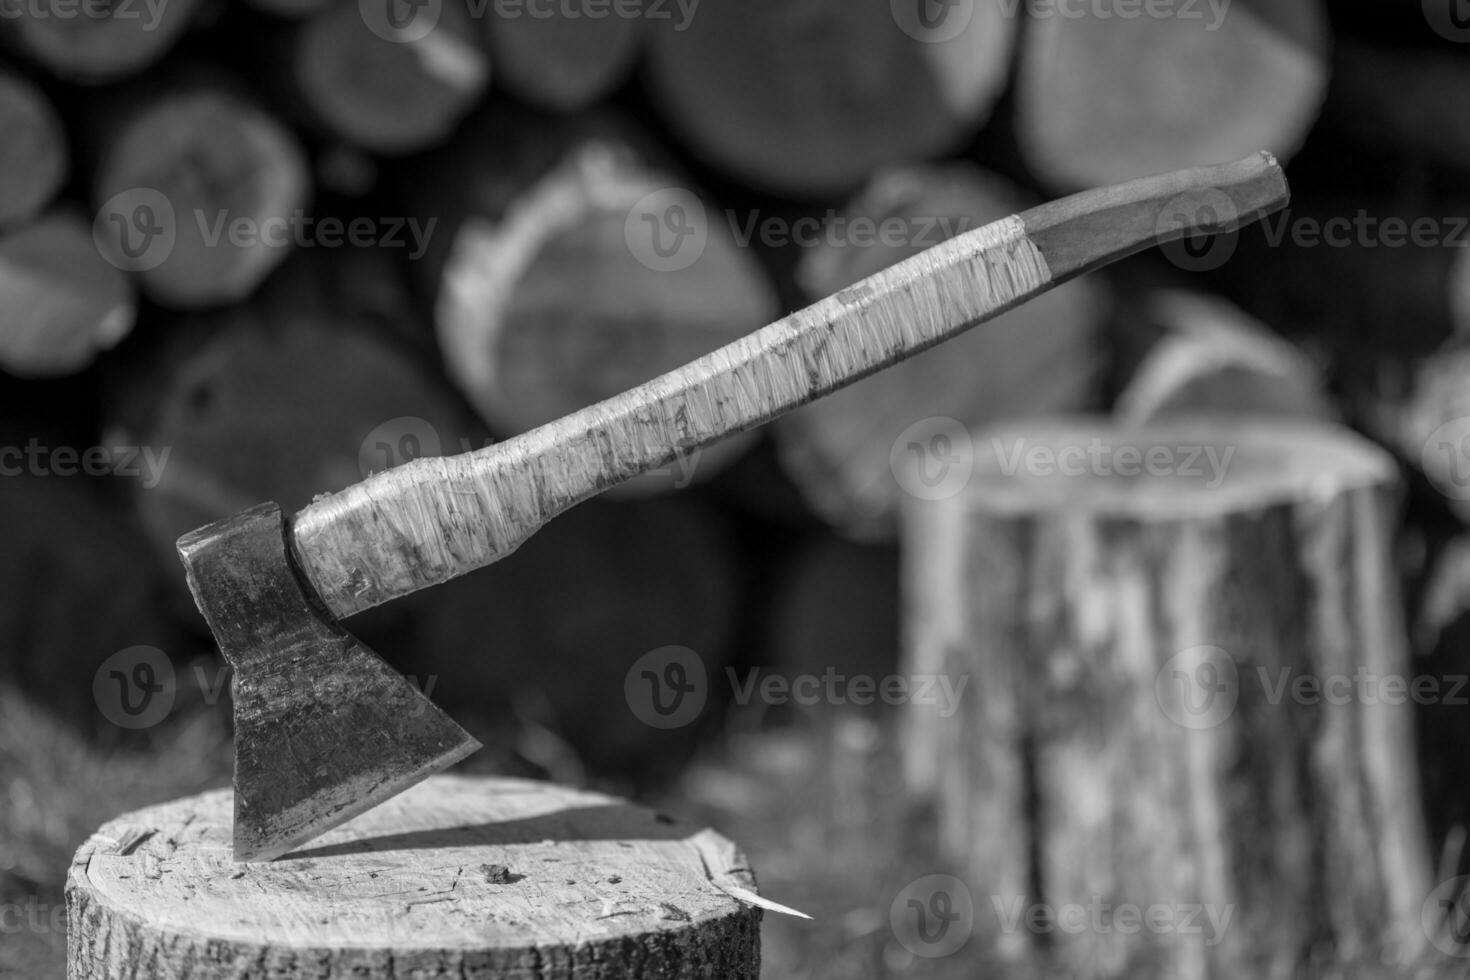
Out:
{"x": 467, "y": 877}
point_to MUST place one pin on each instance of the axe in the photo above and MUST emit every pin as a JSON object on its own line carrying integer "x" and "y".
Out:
{"x": 325, "y": 729}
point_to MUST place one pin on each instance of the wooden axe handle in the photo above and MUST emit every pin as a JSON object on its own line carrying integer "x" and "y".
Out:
{"x": 436, "y": 518}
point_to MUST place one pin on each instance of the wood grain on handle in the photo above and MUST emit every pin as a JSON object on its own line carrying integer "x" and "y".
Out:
{"x": 436, "y": 518}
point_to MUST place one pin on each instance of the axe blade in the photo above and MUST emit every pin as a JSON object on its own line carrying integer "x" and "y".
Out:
{"x": 324, "y": 728}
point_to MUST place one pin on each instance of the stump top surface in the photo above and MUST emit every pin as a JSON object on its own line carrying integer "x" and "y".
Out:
{"x": 454, "y": 863}
{"x": 1185, "y": 466}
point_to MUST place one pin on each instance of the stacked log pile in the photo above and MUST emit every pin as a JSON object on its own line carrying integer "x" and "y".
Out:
{"x": 273, "y": 245}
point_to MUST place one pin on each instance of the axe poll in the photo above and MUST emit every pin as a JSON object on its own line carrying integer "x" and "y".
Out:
{"x": 324, "y": 729}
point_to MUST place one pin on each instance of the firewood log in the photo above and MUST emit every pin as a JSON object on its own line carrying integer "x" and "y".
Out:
{"x": 561, "y": 61}
{"x": 809, "y": 100}
{"x": 1102, "y": 97}
{"x": 558, "y": 636}
{"x": 60, "y": 303}
{"x": 575, "y": 270}
{"x": 385, "y": 90}
{"x": 1208, "y": 356}
{"x": 1045, "y": 356}
{"x": 1405, "y": 101}
{"x": 276, "y": 403}
{"x": 202, "y": 194}
{"x": 94, "y": 43}
{"x": 34, "y": 158}
{"x": 1189, "y": 673}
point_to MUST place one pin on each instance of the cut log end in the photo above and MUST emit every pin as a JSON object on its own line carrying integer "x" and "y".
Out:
{"x": 201, "y": 194}
{"x": 60, "y": 303}
{"x": 390, "y": 94}
{"x": 465, "y": 877}
{"x": 33, "y": 156}
{"x": 1103, "y": 99}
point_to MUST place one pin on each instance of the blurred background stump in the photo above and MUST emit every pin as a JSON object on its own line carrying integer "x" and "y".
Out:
{"x": 1162, "y": 713}
{"x": 491, "y": 878}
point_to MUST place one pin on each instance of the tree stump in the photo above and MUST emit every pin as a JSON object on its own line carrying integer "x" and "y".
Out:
{"x": 484, "y": 878}
{"x": 1157, "y": 666}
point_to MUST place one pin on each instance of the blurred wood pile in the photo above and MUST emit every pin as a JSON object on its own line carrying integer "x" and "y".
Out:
{"x": 255, "y": 250}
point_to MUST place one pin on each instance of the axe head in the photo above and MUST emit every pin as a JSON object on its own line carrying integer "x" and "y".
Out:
{"x": 324, "y": 728}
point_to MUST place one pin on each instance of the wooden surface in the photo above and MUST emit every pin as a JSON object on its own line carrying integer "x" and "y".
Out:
{"x": 561, "y": 62}
{"x": 1101, "y": 98}
{"x": 528, "y": 350}
{"x": 486, "y": 878}
{"x": 809, "y": 100}
{"x": 1081, "y": 771}
{"x": 221, "y": 398}
{"x": 215, "y": 159}
{"x": 431, "y": 520}
{"x": 97, "y": 43}
{"x": 1207, "y": 356}
{"x": 388, "y": 96}
{"x": 1046, "y": 356}
{"x": 34, "y": 158}
{"x": 60, "y": 302}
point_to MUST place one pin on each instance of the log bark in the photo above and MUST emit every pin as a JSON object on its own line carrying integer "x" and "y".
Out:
{"x": 487, "y": 878}
{"x": 60, "y": 302}
{"x": 1208, "y": 356}
{"x": 1142, "y": 653}
{"x": 1043, "y": 357}
{"x": 389, "y": 94}
{"x": 33, "y": 158}
{"x": 548, "y": 299}
{"x": 562, "y": 62}
{"x": 202, "y": 194}
{"x": 1102, "y": 98}
{"x": 809, "y": 101}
